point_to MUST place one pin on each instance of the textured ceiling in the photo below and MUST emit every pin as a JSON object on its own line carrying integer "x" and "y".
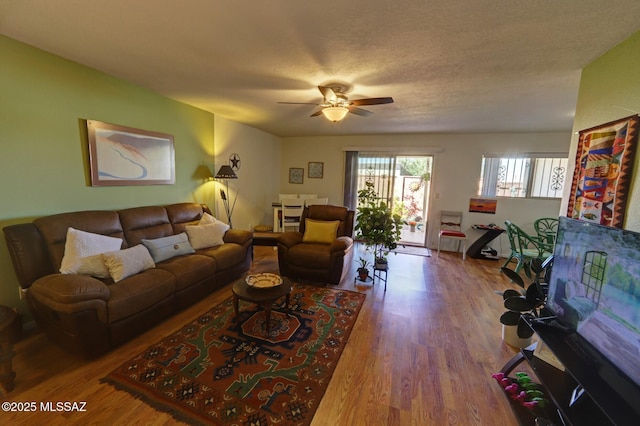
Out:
{"x": 451, "y": 66}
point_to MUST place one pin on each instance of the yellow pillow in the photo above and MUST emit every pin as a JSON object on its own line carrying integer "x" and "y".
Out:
{"x": 320, "y": 231}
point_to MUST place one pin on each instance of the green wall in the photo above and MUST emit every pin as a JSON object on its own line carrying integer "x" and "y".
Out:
{"x": 44, "y": 156}
{"x": 610, "y": 90}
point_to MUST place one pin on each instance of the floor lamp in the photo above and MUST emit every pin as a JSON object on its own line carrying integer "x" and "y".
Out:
{"x": 225, "y": 173}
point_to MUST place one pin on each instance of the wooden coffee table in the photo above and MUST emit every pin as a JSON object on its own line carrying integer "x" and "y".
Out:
{"x": 264, "y": 297}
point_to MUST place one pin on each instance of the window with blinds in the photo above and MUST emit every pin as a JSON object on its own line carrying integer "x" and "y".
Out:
{"x": 523, "y": 175}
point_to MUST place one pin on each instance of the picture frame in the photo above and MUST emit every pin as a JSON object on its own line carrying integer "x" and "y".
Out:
{"x": 316, "y": 170}
{"x": 296, "y": 175}
{"x": 125, "y": 156}
{"x": 483, "y": 205}
{"x": 602, "y": 173}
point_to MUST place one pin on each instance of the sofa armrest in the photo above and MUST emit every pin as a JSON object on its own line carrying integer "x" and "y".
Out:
{"x": 70, "y": 293}
{"x": 238, "y": 236}
{"x": 28, "y": 253}
{"x": 290, "y": 239}
{"x": 341, "y": 244}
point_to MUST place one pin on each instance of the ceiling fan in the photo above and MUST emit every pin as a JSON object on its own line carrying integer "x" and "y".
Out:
{"x": 336, "y": 104}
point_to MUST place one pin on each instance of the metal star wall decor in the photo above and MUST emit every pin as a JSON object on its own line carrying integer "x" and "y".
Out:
{"x": 234, "y": 161}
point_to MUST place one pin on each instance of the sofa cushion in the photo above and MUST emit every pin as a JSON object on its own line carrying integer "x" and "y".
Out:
{"x": 312, "y": 255}
{"x": 226, "y": 255}
{"x": 190, "y": 270}
{"x": 82, "y": 253}
{"x": 319, "y": 231}
{"x": 203, "y": 236}
{"x": 54, "y": 229}
{"x": 167, "y": 247}
{"x": 149, "y": 223}
{"x": 138, "y": 292}
{"x": 127, "y": 262}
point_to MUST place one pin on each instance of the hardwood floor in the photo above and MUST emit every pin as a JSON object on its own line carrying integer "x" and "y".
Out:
{"x": 421, "y": 353}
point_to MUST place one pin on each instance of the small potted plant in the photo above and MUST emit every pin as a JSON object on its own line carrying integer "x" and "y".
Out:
{"x": 523, "y": 304}
{"x": 363, "y": 270}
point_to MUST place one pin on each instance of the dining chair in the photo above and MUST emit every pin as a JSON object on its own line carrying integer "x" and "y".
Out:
{"x": 451, "y": 228}
{"x": 307, "y": 196}
{"x": 546, "y": 228}
{"x": 524, "y": 247}
{"x": 316, "y": 201}
{"x": 283, "y": 196}
{"x": 291, "y": 213}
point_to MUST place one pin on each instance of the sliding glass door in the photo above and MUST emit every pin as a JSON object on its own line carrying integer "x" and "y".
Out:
{"x": 401, "y": 181}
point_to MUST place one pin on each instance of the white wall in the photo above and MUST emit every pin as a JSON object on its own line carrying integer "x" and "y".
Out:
{"x": 455, "y": 175}
{"x": 258, "y": 176}
{"x": 609, "y": 90}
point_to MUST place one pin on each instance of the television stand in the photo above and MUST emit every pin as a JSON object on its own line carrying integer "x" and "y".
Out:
{"x": 559, "y": 389}
{"x": 579, "y": 395}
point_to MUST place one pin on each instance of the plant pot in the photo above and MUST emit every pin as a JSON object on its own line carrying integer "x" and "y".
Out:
{"x": 511, "y": 338}
{"x": 363, "y": 274}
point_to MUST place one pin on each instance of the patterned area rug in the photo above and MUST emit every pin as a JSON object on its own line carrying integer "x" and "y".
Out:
{"x": 213, "y": 371}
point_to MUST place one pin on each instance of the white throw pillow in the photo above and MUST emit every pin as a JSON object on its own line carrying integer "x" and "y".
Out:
{"x": 82, "y": 252}
{"x": 203, "y": 236}
{"x": 207, "y": 219}
{"x": 127, "y": 262}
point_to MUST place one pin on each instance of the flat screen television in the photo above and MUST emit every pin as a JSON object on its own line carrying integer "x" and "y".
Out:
{"x": 594, "y": 288}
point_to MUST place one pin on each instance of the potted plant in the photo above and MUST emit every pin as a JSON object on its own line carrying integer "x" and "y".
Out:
{"x": 376, "y": 225}
{"x": 523, "y": 304}
{"x": 363, "y": 270}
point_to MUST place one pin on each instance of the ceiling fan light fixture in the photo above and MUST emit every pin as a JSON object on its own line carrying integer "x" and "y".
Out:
{"x": 335, "y": 113}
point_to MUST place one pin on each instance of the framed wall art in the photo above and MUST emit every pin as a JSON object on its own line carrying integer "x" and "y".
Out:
{"x": 602, "y": 174}
{"x": 296, "y": 175}
{"x": 316, "y": 170}
{"x": 483, "y": 205}
{"x": 123, "y": 156}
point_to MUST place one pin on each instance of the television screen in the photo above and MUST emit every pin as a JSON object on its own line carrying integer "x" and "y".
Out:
{"x": 595, "y": 288}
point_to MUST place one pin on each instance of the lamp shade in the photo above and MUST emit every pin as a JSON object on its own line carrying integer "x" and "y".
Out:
{"x": 226, "y": 172}
{"x": 335, "y": 113}
{"x": 203, "y": 173}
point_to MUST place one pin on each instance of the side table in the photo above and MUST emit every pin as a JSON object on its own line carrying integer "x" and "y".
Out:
{"x": 378, "y": 269}
{"x": 7, "y": 375}
{"x": 489, "y": 234}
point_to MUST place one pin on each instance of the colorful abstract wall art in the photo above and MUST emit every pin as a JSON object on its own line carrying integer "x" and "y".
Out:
{"x": 602, "y": 174}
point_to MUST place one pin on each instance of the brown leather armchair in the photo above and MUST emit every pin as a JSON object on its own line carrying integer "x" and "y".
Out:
{"x": 318, "y": 262}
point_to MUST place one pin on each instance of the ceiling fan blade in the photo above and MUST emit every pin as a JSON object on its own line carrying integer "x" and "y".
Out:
{"x": 372, "y": 101}
{"x": 328, "y": 93}
{"x": 317, "y": 113}
{"x": 299, "y": 103}
{"x": 359, "y": 111}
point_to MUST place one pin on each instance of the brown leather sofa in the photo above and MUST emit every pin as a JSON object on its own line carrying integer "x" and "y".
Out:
{"x": 88, "y": 315}
{"x": 318, "y": 262}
